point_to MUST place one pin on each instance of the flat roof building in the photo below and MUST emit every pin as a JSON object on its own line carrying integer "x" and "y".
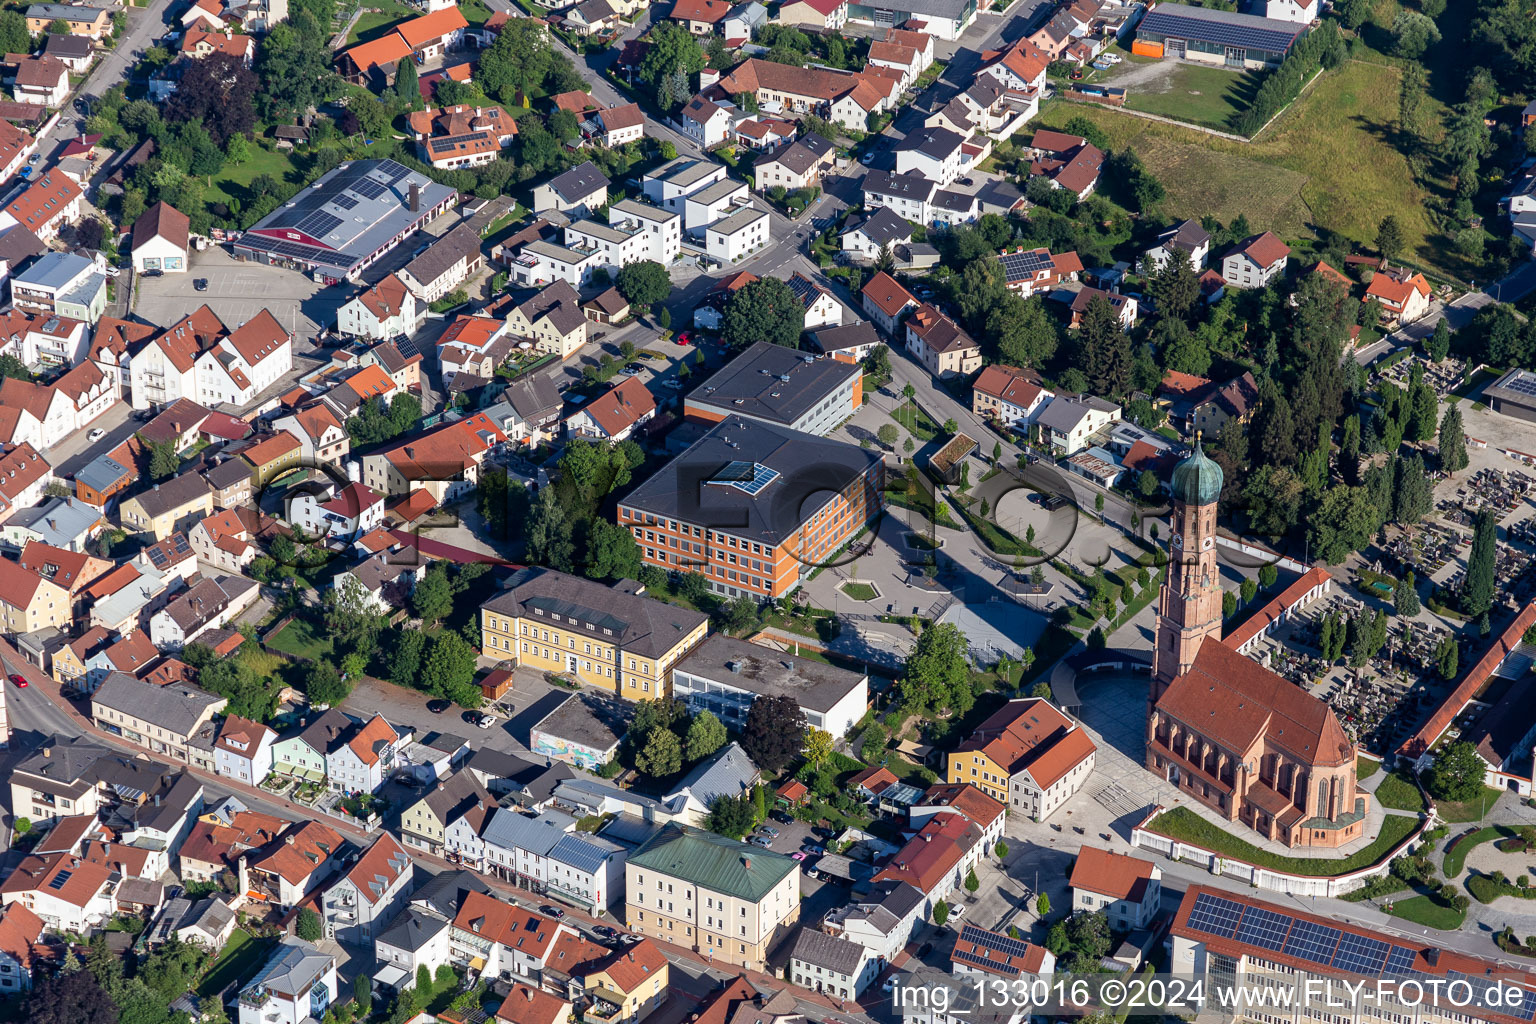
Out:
{"x": 780, "y": 386}
{"x": 724, "y": 676}
{"x": 346, "y": 220}
{"x": 754, "y": 507}
{"x": 1216, "y": 37}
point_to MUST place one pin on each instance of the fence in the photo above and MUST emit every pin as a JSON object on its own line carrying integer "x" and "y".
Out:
{"x": 1261, "y": 877}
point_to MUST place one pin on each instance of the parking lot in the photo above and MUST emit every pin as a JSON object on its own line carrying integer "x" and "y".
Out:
{"x": 237, "y": 292}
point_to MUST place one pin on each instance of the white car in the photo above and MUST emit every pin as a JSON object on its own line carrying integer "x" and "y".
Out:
{"x": 956, "y": 911}
{"x": 486, "y": 721}
{"x": 1111, "y": 58}
{"x": 890, "y": 984}
{"x": 96, "y": 435}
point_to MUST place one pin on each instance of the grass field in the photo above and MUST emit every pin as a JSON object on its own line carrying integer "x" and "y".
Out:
{"x": 379, "y": 16}
{"x": 1197, "y": 94}
{"x": 1457, "y": 812}
{"x": 860, "y": 591}
{"x": 234, "y": 179}
{"x": 1398, "y": 792}
{"x": 1365, "y": 767}
{"x": 238, "y": 962}
{"x": 304, "y": 637}
{"x": 917, "y": 422}
{"x": 1456, "y": 856}
{"x": 1184, "y": 824}
{"x": 1328, "y": 164}
{"x": 1430, "y": 912}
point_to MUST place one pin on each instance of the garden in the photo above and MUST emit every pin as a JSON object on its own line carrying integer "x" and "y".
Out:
{"x": 1188, "y": 826}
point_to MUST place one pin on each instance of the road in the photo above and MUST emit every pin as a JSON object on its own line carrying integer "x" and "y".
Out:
{"x": 143, "y": 25}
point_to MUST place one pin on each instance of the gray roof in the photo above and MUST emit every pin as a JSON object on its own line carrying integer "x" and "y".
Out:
{"x": 769, "y": 673}
{"x": 326, "y": 733}
{"x": 143, "y": 891}
{"x": 101, "y": 473}
{"x": 453, "y": 796}
{"x": 955, "y": 202}
{"x": 729, "y": 772}
{"x": 58, "y": 521}
{"x": 533, "y": 397}
{"x": 841, "y": 956}
{"x": 444, "y": 892}
{"x": 1223, "y": 27}
{"x": 738, "y": 221}
{"x": 799, "y": 156}
{"x": 511, "y": 830}
{"x": 176, "y": 708}
{"x": 560, "y": 302}
{"x": 806, "y": 466}
{"x": 68, "y": 12}
{"x": 498, "y": 764}
{"x": 206, "y": 600}
{"x": 55, "y": 270}
{"x": 171, "y": 804}
{"x": 579, "y": 182}
{"x": 754, "y": 383}
{"x": 719, "y": 190}
{"x": 168, "y": 495}
{"x": 292, "y": 968}
{"x": 1063, "y": 412}
{"x": 17, "y": 242}
{"x": 462, "y": 243}
{"x": 884, "y": 227}
{"x": 68, "y": 46}
{"x": 902, "y": 898}
{"x": 64, "y": 761}
{"x": 628, "y": 830}
{"x": 999, "y": 193}
{"x": 936, "y": 142}
{"x": 844, "y": 336}
{"x": 413, "y": 929}
{"x": 684, "y": 171}
{"x": 351, "y": 212}
{"x": 228, "y": 473}
{"x": 211, "y": 915}
{"x": 584, "y": 852}
{"x": 589, "y": 791}
{"x": 640, "y": 625}
{"x": 951, "y": 9}
{"x": 589, "y": 720}
{"x": 906, "y": 186}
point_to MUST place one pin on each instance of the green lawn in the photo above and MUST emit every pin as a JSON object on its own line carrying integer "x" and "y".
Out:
{"x": 1398, "y": 792}
{"x": 1457, "y": 812}
{"x": 1456, "y": 856}
{"x": 1184, "y": 824}
{"x": 1292, "y": 180}
{"x": 1200, "y": 95}
{"x": 383, "y": 14}
{"x": 304, "y": 637}
{"x": 239, "y": 960}
{"x": 1365, "y": 767}
{"x": 917, "y": 422}
{"x": 235, "y": 179}
{"x": 1430, "y": 912}
{"x": 860, "y": 591}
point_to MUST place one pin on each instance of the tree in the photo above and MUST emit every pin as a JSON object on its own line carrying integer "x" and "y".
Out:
{"x": 940, "y": 913}
{"x": 1453, "y": 441}
{"x": 217, "y": 92}
{"x": 1342, "y": 522}
{"x": 406, "y": 89}
{"x": 774, "y": 732}
{"x": 324, "y": 685}
{"x": 449, "y": 670}
{"x": 362, "y": 993}
{"x": 671, "y": 62}
{"x": 518, "y": 60}
{"x": 308, "y": 925}
{"x": 1249, "y": 590}
{"x": 13, "y": 32}
{"x": 938, "y": 671}
{"x": 888, "y": 434}
{"x": 1106, "y": 349}
{"x": 1043, "y": 904}
{"x": 72, "y": 997}
{"x": 739, "y": 615}
{"x": 1087, "y": 131}
{"x": 644, "y": 283}
{"x": 1438, "y": 345}
{"x": 1413, "y": 33}
{"x": 1456, "y": 773}
{"x": 432, "y": 597}
{"x": 1176, "y": 286}
{"x": 693, "y": 588}
{"x": 549, "y": 533}
{"x": 662, "y": 756}
{"x": 1228, "y": 604}
{"x": 1001, "y": 849}
{"x": 765, "y": 310}
{"x": 706, "y": 735}
{"x": 730, "y": 816}
{"x": 58, "y": 27}
{"x": 1389, "y": 238}
{"x": 405, "y": 659}
{"x": 163, "y": 460}
{"x": 818, "y": 747}
{"x": 1482, "y": 563}
{"x": 972, "y": 883}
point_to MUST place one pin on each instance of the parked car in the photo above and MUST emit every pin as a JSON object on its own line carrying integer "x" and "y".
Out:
{"x": 549, "y": 911}
{"x": 606, "y": 932}
{"x": 154, "y": 273}
{"x": 673, "y": 384}
{"x": 956, "y": 911}
{"x": 769, "y": 831}
{"x": 438, "y": 706}
{"x": 762, "y": 841}
{"x": 683, "y": 337}
{"x": 96, "y": 434}
{"x": 823, "y": 832}
{"x": 813, "y": 848}
{"x": 780, "y": 817}
{"x": 797, "y": 855}
{"x": 486, "y": 721}
{"x": 20, "y": 681}
{"x": 201, "y": 284}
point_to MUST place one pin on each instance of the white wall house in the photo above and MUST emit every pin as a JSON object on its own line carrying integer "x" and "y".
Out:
{"x": 737, "y": 236}
{"x": 243, "y": 750}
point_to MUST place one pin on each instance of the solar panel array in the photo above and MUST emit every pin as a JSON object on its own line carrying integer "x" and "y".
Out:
{"x": 450, "y": 141}
{"x": 750, "y": 477}
{"x": 344, "y": 201}
{"x": 1523, "y": 383}
{"x": 979, "y": 936}
{"x": 1020, "y": 265}
{"x": 60, "y": 880}
{"x": 1222, "y": 32}
{"x": 368, "y": 188}
{"x": 1331, "y": 947}
{"x": 318, "y": 224}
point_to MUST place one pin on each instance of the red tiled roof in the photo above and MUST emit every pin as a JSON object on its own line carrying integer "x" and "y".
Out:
{"x": 371, "y": 739}
{"x": 822, "y": 7}
{"x": 875, "y": 779}
{"x": 1265, "y": 249}
{"x": 44, "y": 200}
{"x": 1395, "y": 292}
{"x": 1009, "y": 384}
{"x": 1471, "y": 683}
{"x": 709, "y": 11}
{"x": 512, "y": 926}
{"x": 994, "y": 953}
{"x": 1111, "y": 874}
{"x": 618, "y": 408}
{"x": 78, "y": 881}
{"x": 431, "y": 27}
{"x": 1260, "y": 620}
{"x": 631, "y": 967}
{"x": 965, "y": 799}
{"x": 527, "y": 1005}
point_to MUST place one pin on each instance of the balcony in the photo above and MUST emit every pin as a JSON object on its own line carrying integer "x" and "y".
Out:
{"x": 255, "y": 998}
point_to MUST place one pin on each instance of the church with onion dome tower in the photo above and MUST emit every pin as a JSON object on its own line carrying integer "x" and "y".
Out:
{"x": 1227, "y": 731}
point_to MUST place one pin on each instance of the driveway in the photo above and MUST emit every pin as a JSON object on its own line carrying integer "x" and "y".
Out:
{"x": 238, "y": 291}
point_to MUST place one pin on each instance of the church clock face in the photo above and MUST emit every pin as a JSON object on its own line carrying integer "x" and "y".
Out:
{"x": 1205, "y": 545}
{"x": 1178, "y": 541}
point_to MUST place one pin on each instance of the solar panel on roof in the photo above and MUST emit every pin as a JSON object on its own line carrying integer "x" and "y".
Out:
{"x": 1275, "y": 37}
{"x": 750, "y": 477}
{"x": 1399, "y": 960}
{"x": 392, "y": 171}
{"x": 368, "y": 188}
{"x": 1215, "y": 915}
{"x": 1018, "y": 265}
{"x": 1309, "y": 940}
{"x": 344, "y": 201}
{"x": 1002, "y": 943}
{"x": 407, "y": 347}
{"x": 448, "y": 142}
{"x": 58, "y": 881}
{"x": 319, "y": 224}
{"x": 1358, "y": 954}
{"x": 1521, "y": 383}
{"x": 1263, "y": 928}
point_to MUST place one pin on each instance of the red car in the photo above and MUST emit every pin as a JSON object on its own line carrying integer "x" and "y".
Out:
{"x": 20, "y": 681}
{"x": 683, "y": 338}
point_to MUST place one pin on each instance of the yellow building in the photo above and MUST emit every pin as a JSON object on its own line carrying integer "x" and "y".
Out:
{"x": 28, "y": 602}
{"x": 611, "y": 637}
{"x": 633, "y": 979}
{"x": 424, "y": 823}
{"x": 161, "y": 719}
{"x": 552, "y": 320}
{"x": 271, "y": 457}
{"x": 159, "y": 510}
{"x": 1028, "y": 755}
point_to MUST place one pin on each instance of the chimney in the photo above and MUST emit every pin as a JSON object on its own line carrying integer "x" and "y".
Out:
{"x": 415, "y": 197}
{"x": 746, "y": 862}
{"x": 528, "y": 993}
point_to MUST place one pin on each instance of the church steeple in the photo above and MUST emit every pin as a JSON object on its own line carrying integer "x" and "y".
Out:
{"x": 1189, "y": 604}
